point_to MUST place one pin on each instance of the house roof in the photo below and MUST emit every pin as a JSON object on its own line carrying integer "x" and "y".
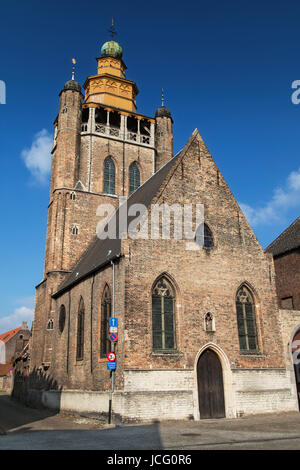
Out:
{"x": 102, "y": 252}
{"x": 9, "y": 334}
{"x": 288, "y": 240}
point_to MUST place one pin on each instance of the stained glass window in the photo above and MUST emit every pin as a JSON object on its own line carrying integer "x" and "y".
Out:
{"x": 109, "y": 176}
{"x": 134, "y": 177}
{"x": 163, "y": 315}
{"x": 245, "y": 310}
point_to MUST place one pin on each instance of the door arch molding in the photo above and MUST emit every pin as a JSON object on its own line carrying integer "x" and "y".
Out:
{"x": 230, "y": 409}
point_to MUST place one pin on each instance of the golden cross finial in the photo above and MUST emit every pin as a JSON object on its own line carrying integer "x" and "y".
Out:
{"x": 162, "y": 97}
{"x": 112, "y": 30}
{"x": 73, "y": 69}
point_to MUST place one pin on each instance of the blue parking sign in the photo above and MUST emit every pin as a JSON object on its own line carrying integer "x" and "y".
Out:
{"x": 111, "y": 365}
{"x": 113, "y": 321}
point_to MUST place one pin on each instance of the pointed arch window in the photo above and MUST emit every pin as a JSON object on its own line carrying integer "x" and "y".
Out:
{"x": 62, "y": 318}
{"x": 109, "y": 186}
{"x": 104, "y": 328}
{"x": 246, "y": 320}
{"x": 134, "y": 177}
{"x": 80, "y": 331}
{"x": 163, "y": 315}
{"x": 208, "y": 241}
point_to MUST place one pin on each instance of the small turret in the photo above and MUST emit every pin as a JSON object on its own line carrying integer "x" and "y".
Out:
{"x": 163, "y": 136}
{"x": 67, "y": 141}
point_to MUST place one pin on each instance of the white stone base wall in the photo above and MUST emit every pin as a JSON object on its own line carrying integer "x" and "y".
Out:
{"x": 164, "y": 395}
{"x": 263, "y": 391}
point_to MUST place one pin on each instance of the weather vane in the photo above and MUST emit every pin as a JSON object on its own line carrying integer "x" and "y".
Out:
{"x": 73, "y": 68}
{"x": 162, "y": 97}
{"x": 112, "y": 30}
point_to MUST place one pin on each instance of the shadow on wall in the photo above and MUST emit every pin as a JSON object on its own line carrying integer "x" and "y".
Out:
{"x": 28, "y": 387}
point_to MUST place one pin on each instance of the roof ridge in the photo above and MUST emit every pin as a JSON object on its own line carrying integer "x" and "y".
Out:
{"x": 282, "y": 234}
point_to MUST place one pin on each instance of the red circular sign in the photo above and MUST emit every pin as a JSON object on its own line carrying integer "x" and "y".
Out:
{"x": 111, "y": 357}
{"x": 113, "y": 337}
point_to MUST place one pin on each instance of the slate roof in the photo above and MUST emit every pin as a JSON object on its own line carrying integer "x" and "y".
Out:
{"x": 287, "y": 241}
{"x": 102, "y": 252}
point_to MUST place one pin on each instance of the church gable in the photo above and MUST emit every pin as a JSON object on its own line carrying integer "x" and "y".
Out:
{"x": 194, "y": 178}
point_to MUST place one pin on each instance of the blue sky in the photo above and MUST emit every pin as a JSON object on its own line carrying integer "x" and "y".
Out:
{"x": 226, "y": 68}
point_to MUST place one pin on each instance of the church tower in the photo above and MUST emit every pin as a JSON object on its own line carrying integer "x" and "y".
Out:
{"x": 103, "y": 149}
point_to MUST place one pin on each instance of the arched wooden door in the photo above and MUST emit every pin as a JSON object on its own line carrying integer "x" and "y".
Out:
{"x": 210, "y": 386}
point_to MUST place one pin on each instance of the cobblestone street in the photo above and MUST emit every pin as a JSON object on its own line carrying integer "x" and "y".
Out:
{"x": 40, "y": 429}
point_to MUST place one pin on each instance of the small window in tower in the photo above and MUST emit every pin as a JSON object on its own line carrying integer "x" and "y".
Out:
{"x": 85, "y": 115}
{"x": 114, "y": 119}
{"x": 75, "y": 230}
{"x": 62, "y": 318}
{"x": 73, "y": 196}
{"x": 100, "y": 116}
{"x": 132, "y": 124}
{"x": 50, "y": 324}
{"x": 64, "y": 110}
{"x": 109, "y": 176}
{"x": 145, "y": 127}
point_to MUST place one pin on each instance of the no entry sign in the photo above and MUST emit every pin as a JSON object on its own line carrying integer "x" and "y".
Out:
{"x": 111, "y": 357}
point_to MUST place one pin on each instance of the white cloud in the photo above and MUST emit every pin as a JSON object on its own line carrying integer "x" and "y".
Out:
{"x": 282, "y": 200}
{"x": 15, "y": 320}
{"x": 38, "y": 158}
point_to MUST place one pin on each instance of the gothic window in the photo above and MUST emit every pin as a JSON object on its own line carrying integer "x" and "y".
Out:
{"x": 134, "y": 177}
{"x": 246, "y": 320}
{"x": 75, "y": 230}
{"x": 109, "y": 176}
{"x": 73, "y": 196}
{"x": 80, "y": 331}
{"x": 62, "y": 318}
{"x": 163, "y": 315}
{"x": 208, "y": 240}
{"x": 104, "y": 329}
{"x": 50, "y": 324}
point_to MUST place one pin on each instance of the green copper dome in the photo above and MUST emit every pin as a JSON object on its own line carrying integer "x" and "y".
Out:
{"x": 111, "y": 49}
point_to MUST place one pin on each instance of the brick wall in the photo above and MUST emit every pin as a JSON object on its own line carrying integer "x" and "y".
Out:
{"x": 287, "y": 267}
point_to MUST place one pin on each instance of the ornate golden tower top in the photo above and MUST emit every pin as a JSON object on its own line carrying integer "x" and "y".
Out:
{"x": 110, "y": 86}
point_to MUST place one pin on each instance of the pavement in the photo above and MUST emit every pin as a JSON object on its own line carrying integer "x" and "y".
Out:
{"x": 24, "y": 428}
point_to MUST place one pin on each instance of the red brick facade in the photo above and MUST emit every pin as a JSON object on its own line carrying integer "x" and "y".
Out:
{"x": 287, "y": 268}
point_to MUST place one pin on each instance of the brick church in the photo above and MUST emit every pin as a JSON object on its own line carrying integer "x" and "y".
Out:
{"x": 198, "y": 330}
